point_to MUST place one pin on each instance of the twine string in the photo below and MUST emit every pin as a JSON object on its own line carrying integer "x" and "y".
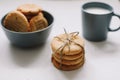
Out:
{"x": 66, "y": 42}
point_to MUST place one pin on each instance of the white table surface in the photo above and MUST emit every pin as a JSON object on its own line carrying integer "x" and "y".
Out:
{"x": 102, "y": 58}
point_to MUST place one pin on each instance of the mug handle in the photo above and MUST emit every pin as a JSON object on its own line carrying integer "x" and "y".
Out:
{"x": 109, "y": 29}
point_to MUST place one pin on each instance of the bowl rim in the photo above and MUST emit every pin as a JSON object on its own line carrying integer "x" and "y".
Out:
{"x": 50, "y": 25}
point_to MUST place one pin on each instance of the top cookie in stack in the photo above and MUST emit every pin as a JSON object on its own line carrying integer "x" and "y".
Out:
{"x": 26, "y": 18}
{"x": 68, "y": 51}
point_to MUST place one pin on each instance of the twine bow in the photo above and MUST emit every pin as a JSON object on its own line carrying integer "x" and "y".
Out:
{"x": 67, "y": 42}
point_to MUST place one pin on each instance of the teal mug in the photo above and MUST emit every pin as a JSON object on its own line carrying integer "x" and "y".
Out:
{"x": 96, "y": 18}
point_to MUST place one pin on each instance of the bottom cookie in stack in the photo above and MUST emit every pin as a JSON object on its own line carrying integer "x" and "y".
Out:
{"x": 67, "y": 64}
{"x": 70, "y": 56}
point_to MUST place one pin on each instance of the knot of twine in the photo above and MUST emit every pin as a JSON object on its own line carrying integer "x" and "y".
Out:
{"x": 67, "y": 42}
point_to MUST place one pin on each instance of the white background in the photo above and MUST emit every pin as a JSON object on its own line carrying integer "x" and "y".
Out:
{"x": 102, "y": 58}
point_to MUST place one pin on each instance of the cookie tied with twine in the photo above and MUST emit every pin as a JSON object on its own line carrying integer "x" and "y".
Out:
{"x": 68, "y": 51}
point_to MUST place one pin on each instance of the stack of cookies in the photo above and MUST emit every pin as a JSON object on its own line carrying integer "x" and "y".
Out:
{"x": 26, "y": 18}
{"x": 68, "y": 51}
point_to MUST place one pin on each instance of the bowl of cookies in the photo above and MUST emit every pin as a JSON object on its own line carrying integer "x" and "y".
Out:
{"x": 28, "y": 25}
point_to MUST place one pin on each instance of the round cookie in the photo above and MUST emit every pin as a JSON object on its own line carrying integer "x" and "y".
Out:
{"x": 38, "y": 22}
{"x": 69, "y": 57}
{"x": 67, "y": 68}
{"x": 74, "y": 48}
{"x": 29, "y": 9}
{"x": 16, "y": 21}
{"x": 69, "y": 62}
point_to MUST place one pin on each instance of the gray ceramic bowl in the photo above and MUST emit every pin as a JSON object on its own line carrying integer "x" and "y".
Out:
{"x": 30, "y": 39}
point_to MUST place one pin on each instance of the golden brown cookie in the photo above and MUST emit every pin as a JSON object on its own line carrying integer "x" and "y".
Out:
{"x": 29, "y": 17}
{"x": 74, "y": 48}
{"x": 69, "y": 62}
{"x": 68, "y": 51}
{"x": 16, "y": 21}
{"x": 65, "y": 67}
{"x": 69, "y": 57}
{"x": 29, "y": 9}
{"x": 38, "y": 22}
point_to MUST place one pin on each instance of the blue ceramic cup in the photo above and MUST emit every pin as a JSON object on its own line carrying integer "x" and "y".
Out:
{"x": 96, "y": 17}
{"x": 30, "y": 39}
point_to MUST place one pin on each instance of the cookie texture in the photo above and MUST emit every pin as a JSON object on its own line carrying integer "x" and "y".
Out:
{"x": 29, "y": 9}
{"x": 68, "y": 57}
{"x": 38, "y": 22}
{"x": 66, "y": 67}
{"x": 74, "y": 49}
{"x": 26, "y": 18}
{"x": 16, "y": 21}
{"x": 68, "y": 62}
{"x": 29, "y": 17}
{"x": 68, "y": 51}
